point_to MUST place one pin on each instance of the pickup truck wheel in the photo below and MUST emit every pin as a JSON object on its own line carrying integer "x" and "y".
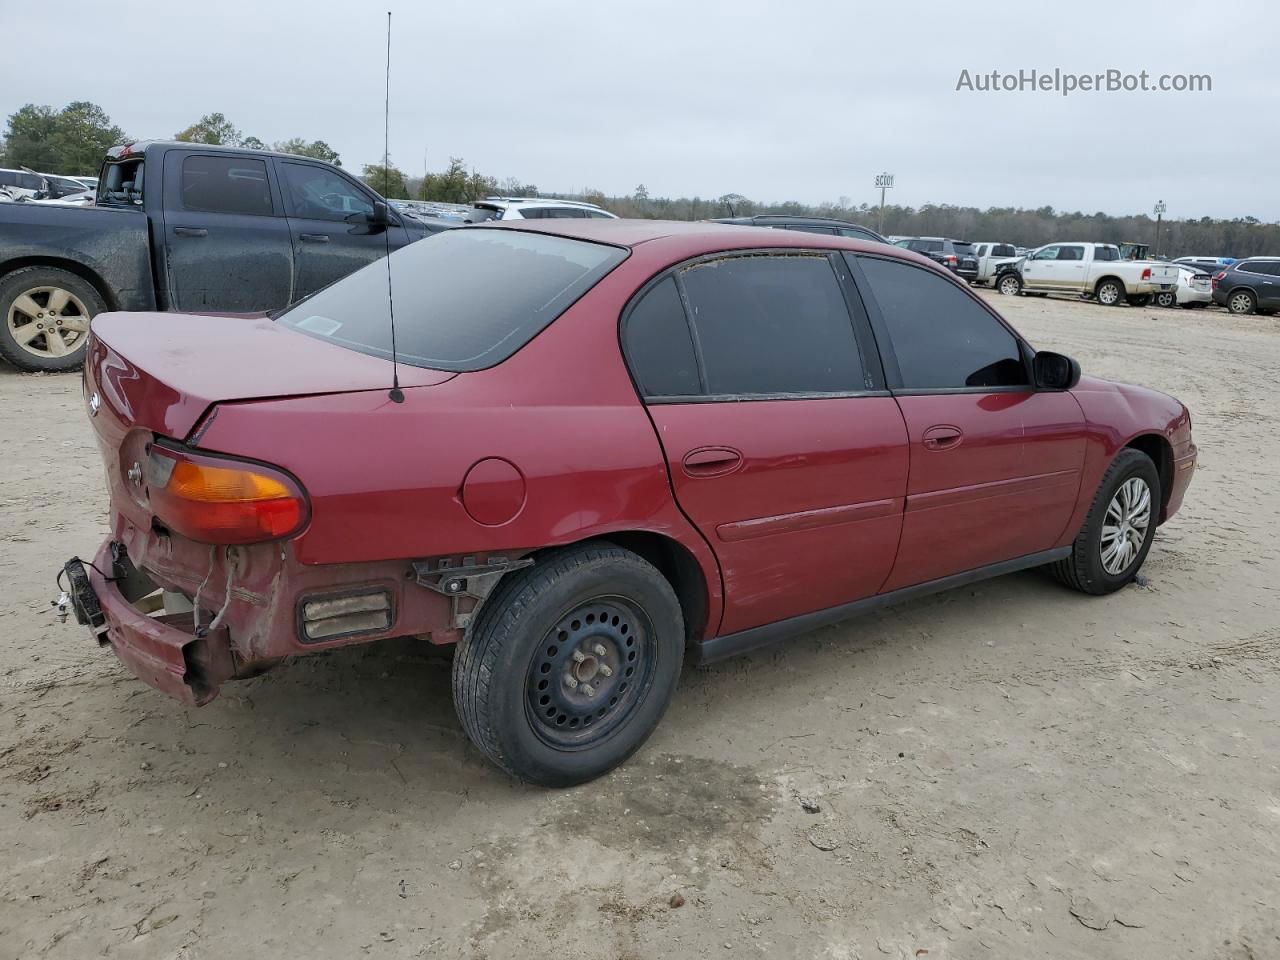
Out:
{"x": 1109, "y": 292}
{"x": 1117, "y": 535}
{"x": 46, "y": 315}
{"x": 570, "y": 664}
{"x": 1166, "y": 298}
{"x": 1010, "y": 285}
{"x": 1139, "y": 299}
{"x": 1242, "y": 302}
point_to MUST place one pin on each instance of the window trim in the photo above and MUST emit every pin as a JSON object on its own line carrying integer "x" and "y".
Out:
{"x": 864, "y": 338}
{"x": 884, "y": 342}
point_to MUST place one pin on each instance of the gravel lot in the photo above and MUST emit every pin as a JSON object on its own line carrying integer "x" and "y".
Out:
{"x": 1010, "y": 770}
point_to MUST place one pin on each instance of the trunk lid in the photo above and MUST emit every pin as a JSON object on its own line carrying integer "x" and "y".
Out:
{"x": 163, "y": 371}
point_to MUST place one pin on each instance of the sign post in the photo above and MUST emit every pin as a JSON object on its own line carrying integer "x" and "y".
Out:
{"x": 1159, "y": 212}
{"x": 883, "y": 182}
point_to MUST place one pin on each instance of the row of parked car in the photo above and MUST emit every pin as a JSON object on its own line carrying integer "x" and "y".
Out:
{"x": 23, "y": 184}
{"x": 198, "y": 228}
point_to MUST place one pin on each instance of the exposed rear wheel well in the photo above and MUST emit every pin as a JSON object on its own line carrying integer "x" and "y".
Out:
{"x": 71, "y": 266}
{"x": 680, "y": 568}
{"x": 1161, "y": 453}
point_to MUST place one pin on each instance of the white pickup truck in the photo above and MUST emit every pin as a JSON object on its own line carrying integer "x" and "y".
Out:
{"x": 1089, "y": 269}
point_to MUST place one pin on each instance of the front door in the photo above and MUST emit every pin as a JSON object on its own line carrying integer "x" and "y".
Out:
{"x": 994, "y": 464}
{"x": 329, "y": 220}
{"x": 226, "y": 242}
{"x": 781, "y": 444}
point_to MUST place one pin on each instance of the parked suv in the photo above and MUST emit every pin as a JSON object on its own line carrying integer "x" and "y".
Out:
{"x": 824, "y": 226}
{"x": 534, "y": 208}
{"x": 1249, "y": 286}
{"x": 956, "y": 255}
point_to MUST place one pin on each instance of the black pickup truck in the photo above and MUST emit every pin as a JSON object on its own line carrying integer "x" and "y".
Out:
{"x": 186, "y": 227}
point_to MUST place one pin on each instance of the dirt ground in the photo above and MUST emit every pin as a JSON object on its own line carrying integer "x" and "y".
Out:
{"x": 1010, "y": 770}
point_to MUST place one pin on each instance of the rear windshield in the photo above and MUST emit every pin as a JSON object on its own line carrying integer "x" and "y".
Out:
{"x": 964, "y": 249}
{"x": 465, "y": 299}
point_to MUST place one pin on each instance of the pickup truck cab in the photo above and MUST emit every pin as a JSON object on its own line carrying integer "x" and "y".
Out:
{"x": 184, "y": 227}
{"x": 1089, "y": 269}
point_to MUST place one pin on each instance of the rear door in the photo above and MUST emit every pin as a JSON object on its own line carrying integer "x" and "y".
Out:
{"x": 329, "y": 225}
{"x": 994, "y": 464}
{"x": 782, "y": 444}
{"x": 226, "y": 240}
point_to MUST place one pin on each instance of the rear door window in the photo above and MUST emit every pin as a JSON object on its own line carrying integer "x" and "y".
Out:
{"x": 659, "y": 346}
{"x": 226, "y": 185}
{"x": 942, "y": 337}
{"x": 775, "y": 324}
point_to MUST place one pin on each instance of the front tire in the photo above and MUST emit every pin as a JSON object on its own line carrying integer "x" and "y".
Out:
{"x": 44, "y": 318}
{"x": 1116, "y": 537}
{"x": 570, "y": 664}
{"x": 1010, "y": 284}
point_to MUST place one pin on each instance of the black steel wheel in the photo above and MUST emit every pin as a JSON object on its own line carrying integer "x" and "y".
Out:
{"x": 569, "y": 664}
{"x": 587, "y": 674}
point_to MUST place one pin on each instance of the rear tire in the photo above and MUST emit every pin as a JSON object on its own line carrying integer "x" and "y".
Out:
{"x": 1242, "y": 302}
{"x": 1166, "y": 299}
{"x": 570, "y": 664}
{"x": 1109, "y": 292}
{"x": 44, "y": 318}
{"x": 1092, "y": 567}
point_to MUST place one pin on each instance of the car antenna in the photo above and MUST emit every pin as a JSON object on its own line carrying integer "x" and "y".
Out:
{"x": 396, "y": 394}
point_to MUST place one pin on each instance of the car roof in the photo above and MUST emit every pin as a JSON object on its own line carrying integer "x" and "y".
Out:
{"x": 681, "y": 239}
{"x": 544, "y": 201}
{"x": 137, "y": 148}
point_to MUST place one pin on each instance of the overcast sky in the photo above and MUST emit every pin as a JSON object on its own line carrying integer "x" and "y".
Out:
{"x": 794, "y": 99}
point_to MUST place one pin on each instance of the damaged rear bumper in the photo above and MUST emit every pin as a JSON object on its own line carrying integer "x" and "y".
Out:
{"x": 163, "y": 650}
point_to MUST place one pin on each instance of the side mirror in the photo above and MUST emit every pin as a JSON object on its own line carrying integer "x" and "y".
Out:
{"x": 1054, "y": 371}
{"x": 381, "y": 214}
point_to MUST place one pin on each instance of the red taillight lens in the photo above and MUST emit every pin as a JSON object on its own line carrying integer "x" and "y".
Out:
{"x": 1146, "y": 274}
{"x": 950, "y": 260}
{"x": 1216, "y": 277}
{"x": 220, "y": 500}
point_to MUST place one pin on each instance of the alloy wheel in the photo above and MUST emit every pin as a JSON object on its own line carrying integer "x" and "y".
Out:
{"x": 48, "y": 322}
{"x": 1125, "y": 526}
{"x": 1241, "y": 303}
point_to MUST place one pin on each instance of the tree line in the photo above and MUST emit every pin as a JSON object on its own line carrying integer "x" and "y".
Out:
{"x": 73, "y": 140}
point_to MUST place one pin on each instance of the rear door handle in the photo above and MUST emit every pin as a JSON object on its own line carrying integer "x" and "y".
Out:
{"x": 711, "y": 461}
{"x": 191, "y": 231}
{"x": 315, "y": 237}
{"x": 942, "y": 437}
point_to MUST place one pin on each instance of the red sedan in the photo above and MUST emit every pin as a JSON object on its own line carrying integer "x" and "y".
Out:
{"x": 612, "y": 442}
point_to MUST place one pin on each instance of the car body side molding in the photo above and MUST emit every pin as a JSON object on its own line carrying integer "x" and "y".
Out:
{"x": 745, "y": 641}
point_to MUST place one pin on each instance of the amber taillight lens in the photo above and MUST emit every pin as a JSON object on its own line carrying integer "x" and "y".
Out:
{"x": 219, "y": 500}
